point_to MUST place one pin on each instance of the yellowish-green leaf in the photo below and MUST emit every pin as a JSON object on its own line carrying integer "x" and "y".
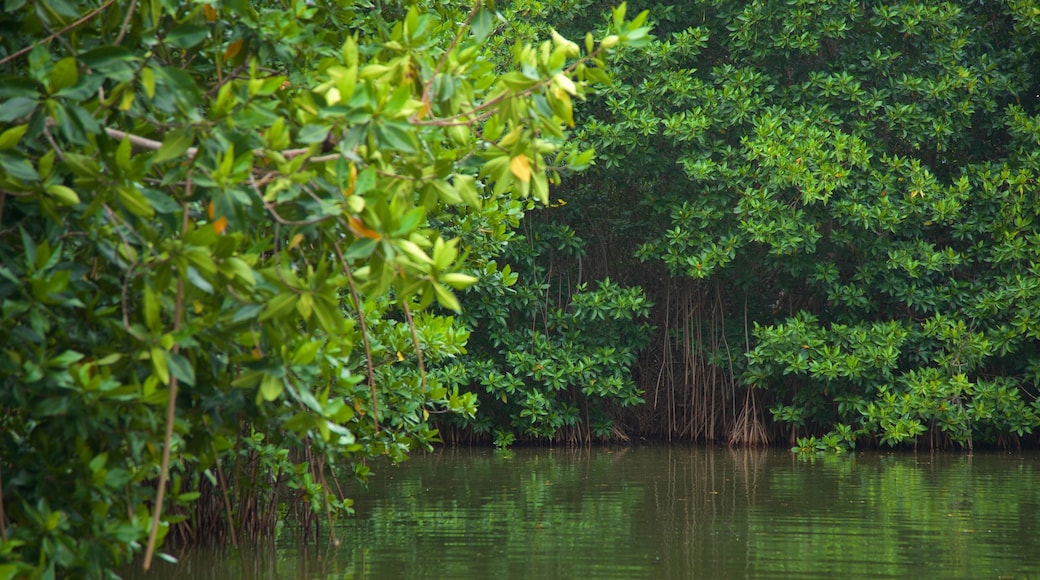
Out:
{"x": 466, "y": 186}
{"x": 135, "y": 202}
{"x": 64, "y": 74}
{"x": 10, "y": 137}
{"x": 271, "y": 387}
{"x": 148, "y": 82}
{"x": 305, "y": 305}
{"x": 151, "y": 309}
{"x": 520, "y": 166}
{"x": 446, "y": 297}
{"x": 174, "y": 145}
{"x": 279, "y": 306}
{"x": 159, "y": 364}
{"x": 63, "y": 194}
{"x": 458, "y": 280}
{"x": 306, "y": 353}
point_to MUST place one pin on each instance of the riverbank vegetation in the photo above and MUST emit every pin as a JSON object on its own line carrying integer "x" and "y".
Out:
{"x": 833, "y": 208}
{"x": 232, "y": 238}
{"x": 245, "y": 246}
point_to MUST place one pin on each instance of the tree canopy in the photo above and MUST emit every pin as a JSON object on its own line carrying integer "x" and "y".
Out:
{"x": 847, "y": 193}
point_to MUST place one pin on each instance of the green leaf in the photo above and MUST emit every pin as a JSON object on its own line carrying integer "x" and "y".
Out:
{"x": 174, "y": 145}
{"x": 18, "y": 167}
{"x": 159, "y": 364}
{"x": 466, "y": 186}
{"x": 135, "y": 202}
{"x": 446, "y": 298}
{"x": 271, "y": 387}
{"x": 306, "y": 352}
{"x": 483, "y": 22}
{"x": 148, "y": 82}
{"x": 409, "y": 221}
{"x": 16, "y": 108}
{"x": 64, "y": 74}
{"x": 181, "y": 368}
{"x": 9, "y": 138}
{"x": 366, "y": 181}
{"x": 279, "y": 306}
{"x": 105, "y": 58}
{"x": 312, "y": 134}
{"x": 64, "y": 195}
{"x": 198, "y": 281}
{"x": 329, "y": 317}
{"x": 187, "y": 35}
{"x": 65, "y": 359}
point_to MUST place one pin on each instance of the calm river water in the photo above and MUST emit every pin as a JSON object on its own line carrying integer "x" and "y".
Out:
{"x": 669, "y": 512}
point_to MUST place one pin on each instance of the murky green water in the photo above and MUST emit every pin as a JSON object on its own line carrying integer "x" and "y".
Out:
{"x": 671, "y": 512}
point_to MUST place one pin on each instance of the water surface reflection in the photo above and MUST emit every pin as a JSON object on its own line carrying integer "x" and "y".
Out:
{"x": 671, "y": 512}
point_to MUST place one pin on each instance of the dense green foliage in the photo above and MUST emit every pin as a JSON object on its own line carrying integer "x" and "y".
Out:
{"x": 551, "y": 355}
{"x": 229, "y": 238}
{"x": 858, "y": 182}
{"x": 554, "y": 346}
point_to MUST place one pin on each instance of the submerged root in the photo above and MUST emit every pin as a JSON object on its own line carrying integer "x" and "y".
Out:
{"x": 748, "y": 431}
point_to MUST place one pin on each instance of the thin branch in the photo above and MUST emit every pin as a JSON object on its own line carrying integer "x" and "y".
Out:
{"x": 144, "y": 142}
{"x": 50, "y": 139}
{"x": 364, "y": 333}
{"x": 428, "y": 89}
{"x": 126, "y": 22}
{"x": 227, "y": 505}
{"x": 277, "y": 217}
{"x": 191, "y": 152}
{"x": 171, "y": 406}
{"x": 227, "y": 78}
{"x": 75, "y": 24}
{"x": 415, "y": 339}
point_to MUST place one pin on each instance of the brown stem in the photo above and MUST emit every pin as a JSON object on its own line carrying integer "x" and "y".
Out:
{"x": 270, "y": 207}
{"x": 126, "y": 22}
{"x": 227, "y": 505}
{"x": 364, "y": 334}
{"x": 171, "y": 411}
{"x": 415, "y": 339}
{"x": 171, "y": 407}
{"x": 444, "y": 57}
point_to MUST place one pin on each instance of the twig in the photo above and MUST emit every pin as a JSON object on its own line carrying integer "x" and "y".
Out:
{"x": 364, "y": 333}
{"x": 227, "y": 78}
{"x": 191, "y": 152}
{"x": 277, "y": 217}
{"x": 227, "y": 505}
{"x": 444, "y": 57}
{"x": 50, "y": 139}
{"x": 171, "y": 408}
{"x": 144, "y": 142}
{"x": 82, "y": 20}
{"x": 418, "y": 349}
{"x": 126, "y": 22}
{"x": 171, "y": 412}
